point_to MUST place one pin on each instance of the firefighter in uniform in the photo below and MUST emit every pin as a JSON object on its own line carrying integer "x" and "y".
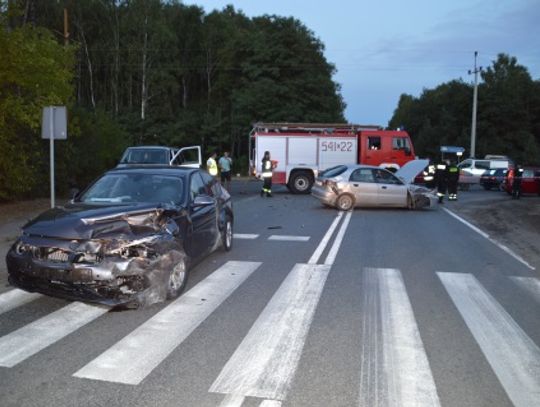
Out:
{"x": 453, "y": 178}
{"x": 516, "y": 182}
{"x": 211, "y": 165}
{"x": 441, "y": 179}
{"x": 429, "y": 175}
{"x": 267, "y": 175}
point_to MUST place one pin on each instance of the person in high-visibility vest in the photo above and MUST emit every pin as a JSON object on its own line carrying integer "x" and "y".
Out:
{"x": 266, "y": 175}
{"x": 441, "y": 179}
{"x": 453, "y": 178}
{"x": 211, "y": 165}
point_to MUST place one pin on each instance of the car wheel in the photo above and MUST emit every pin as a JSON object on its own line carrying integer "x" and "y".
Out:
{"x": 301, "y": 182}
{"x": 177, "y": 280}
{"x": 227, "y": 235}
{"x": 345, "y": 202}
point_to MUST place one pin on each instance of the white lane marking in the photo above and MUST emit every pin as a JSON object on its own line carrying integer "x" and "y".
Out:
{"x": 132, "y": 358}
{"x": 395, "y": 369}
{"x": 324, "y": 242}
{"x": 232, "y": 400}
{"x": 466, "y": 223}
{"x": 286, "y": 238}
{"x": 495, "y": 242}
{"x": 15, "y": 298}
{"x": 529, "y": 284}
{"x": 513, "y": 356}
{"x": 270, "y": 403}
{"x": 264, "y": 363}
{"x": 337, "y": 242}
{"x": 30, "y": 339}
{"x": 245, "y": 236}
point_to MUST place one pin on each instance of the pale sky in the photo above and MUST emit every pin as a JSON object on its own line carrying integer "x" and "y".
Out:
{"x": 384, "y": 48}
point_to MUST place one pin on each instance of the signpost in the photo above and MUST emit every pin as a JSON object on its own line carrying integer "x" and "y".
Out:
{"x": 53, "y": 126}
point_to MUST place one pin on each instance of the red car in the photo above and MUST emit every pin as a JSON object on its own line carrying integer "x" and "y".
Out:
{"x": 530, "y": 180}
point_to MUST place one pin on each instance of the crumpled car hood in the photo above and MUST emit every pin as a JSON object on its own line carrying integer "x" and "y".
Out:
{"x": 86, "y": 221}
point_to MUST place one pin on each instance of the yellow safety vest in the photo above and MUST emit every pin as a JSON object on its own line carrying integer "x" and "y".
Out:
{"x": 212, "y": 167}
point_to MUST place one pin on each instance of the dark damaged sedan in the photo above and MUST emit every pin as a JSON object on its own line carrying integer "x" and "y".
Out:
{"x": 130, "y": 238}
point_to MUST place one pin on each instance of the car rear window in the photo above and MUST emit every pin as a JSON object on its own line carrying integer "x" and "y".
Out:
{"x": 334, "y": 171}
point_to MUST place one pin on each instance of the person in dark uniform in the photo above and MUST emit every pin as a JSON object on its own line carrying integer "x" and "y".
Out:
{"x": 441, "y": 180}
{"x": 267, "y": 175}
{"x": 516, "y": 183}
{"x": 453, "y": 178}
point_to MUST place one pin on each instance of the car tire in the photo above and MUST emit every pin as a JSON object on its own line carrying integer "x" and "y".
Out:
{"x": 177, "y": 279}
{"x": 227, "y": 235}
{"x": 300, "y": 182}
{"x": 345, "y": 202}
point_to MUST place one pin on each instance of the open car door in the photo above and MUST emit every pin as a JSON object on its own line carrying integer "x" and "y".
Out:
{"x": 188, "y": 157}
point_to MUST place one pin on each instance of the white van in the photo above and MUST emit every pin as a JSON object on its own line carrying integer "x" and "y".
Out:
{"x": 471, "y": 169}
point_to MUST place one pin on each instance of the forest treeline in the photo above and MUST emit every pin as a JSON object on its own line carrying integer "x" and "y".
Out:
{"x": 147, "y": 72}
{"x": 508, "y": 114}
{"x": 161, "y": 72}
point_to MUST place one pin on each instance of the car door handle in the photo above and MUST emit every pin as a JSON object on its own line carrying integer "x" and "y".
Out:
{"x": 355, "y": 185}
{"x": 383, "y": 187}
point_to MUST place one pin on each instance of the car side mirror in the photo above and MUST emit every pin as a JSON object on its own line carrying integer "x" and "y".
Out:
{"x": 407, "y": 151}
{"x": 74, "y": 193}
{"x": 203, "y": 200}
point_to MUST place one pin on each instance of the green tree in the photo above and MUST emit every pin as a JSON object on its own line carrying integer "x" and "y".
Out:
{"x": 34, "y": 72}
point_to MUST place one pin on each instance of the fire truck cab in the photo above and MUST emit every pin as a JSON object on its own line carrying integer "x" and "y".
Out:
{"x": 302, "y": 150}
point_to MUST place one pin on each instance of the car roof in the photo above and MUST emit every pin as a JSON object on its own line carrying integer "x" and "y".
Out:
{"x": 150, "y": 147}
{"x": 154, "y": 169}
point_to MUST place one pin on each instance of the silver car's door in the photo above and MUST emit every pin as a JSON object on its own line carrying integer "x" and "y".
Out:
{"x": 391, "y": 191}
{"x": 362, "y": 185}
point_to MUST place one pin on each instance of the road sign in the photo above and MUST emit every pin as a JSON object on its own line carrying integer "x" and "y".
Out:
{"x": 54, "y": 122}
{"x": 53, "y": 126}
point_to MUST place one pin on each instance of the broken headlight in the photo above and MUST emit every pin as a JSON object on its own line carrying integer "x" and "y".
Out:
{"x": 22, "y": 248}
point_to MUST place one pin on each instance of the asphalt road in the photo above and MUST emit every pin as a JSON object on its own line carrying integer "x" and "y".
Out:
{"x": 311, "y": 308}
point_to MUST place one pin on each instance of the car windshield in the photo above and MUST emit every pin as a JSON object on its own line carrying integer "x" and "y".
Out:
{"x": 126, "y": 188}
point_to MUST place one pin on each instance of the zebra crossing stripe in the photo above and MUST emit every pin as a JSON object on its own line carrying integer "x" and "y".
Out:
{"x": 131, "y": 359}
{"x": 529, "y": 284}
{"x": 15, "y": 298}
{"x": 264, "y": 363}
{"x": 395, "y": 369}
{"x": 513, "y": 356}
{"x": 36, "y": 336}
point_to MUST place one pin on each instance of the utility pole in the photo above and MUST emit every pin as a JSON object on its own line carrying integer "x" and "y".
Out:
{"x": 66, "y": 28}
{"x": 475, "y": 98}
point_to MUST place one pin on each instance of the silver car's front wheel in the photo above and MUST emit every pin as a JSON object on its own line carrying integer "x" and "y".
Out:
{"x": 345, "y": 202}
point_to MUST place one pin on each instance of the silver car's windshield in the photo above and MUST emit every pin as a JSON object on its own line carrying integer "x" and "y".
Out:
{"x": 137, "y": 188}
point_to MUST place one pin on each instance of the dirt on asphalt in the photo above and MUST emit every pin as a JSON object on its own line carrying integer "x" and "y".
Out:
{"x": 513, "y": 222}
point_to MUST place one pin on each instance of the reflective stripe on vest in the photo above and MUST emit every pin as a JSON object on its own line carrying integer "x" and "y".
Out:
{"x": 441, "y": 167}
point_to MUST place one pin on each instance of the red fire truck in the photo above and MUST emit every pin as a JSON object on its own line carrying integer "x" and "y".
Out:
{"x": 302, "y": 150}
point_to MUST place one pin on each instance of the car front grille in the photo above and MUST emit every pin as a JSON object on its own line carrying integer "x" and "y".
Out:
{"x": 57, "y": 256}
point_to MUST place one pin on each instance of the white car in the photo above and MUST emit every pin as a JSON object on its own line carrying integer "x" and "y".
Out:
{"x": 349, "y": 186}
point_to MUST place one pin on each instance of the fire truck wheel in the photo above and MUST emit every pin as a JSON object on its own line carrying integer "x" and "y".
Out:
{"x": 345, "y": 202}
{"x": 301, "y": 182}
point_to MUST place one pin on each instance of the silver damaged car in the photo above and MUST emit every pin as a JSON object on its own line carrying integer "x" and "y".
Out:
{"x": 348, "y": 186}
